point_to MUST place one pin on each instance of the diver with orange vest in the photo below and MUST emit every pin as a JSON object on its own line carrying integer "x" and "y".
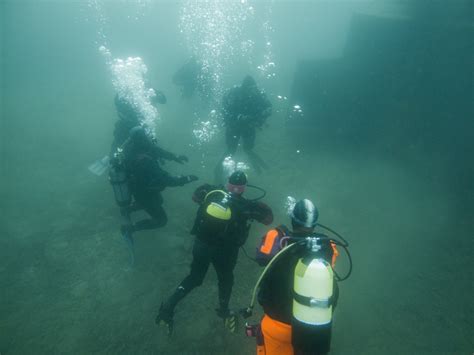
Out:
{"x": 297, "y": 290}
{"x": 221, "y": 227}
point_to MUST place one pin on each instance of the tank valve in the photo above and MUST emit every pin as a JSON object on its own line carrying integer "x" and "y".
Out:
{"x": 312, "y": 243}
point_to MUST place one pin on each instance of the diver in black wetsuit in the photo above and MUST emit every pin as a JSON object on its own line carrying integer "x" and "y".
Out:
{"x": 221, "y": 227}
{"x": 245, "y": 108}
{"x": 138, "y": 157}
{"x": 147, "y": 179}
{"x": 191, "y": 78}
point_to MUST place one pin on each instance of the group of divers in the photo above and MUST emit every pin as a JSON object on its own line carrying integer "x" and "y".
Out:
{"x": 297, "y": 289}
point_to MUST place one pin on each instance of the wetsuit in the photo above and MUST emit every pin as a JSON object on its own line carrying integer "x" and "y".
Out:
{"x": 147, "y": 179}
{"x": 244, "y": 108}
{"x": 141, "y": 159}
{"x": 218, "y": 244}
{"x": 191, "y": 77}
{"x": 276, "y": 294}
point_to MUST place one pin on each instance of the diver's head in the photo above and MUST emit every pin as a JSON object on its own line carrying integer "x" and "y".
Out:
{"x": 248, "y": 82}
{"x": 138, "y": 137}
{"x": 304, "y": 216}
{"x": 126, "y": 111}
{"x": 237, "y": 182}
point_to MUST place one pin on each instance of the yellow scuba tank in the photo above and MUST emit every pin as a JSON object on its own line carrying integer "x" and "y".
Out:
{"x": 312, "y": 300}
{"x": 213, "y": 218}
{"x": 218, "y": 206}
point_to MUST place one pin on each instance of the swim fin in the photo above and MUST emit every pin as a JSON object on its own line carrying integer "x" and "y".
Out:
{"x": 230, "y": 322}
{"x": 99, "y": 166}
{"x": 230, "y": 319}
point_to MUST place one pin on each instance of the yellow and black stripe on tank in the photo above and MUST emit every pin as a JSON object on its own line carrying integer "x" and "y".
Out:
{"x": 218, "y": 208}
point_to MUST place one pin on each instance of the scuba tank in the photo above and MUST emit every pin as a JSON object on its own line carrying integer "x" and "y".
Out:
{"x": 119, "y": 180}
{"x": 217, "y": 202}
{"x": 312, "y": 299}
{"x": 314, "y": 291}
{"x": 213, "y": 217}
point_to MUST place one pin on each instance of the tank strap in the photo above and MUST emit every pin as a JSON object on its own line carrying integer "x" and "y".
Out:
{"x": 313, "y": 302}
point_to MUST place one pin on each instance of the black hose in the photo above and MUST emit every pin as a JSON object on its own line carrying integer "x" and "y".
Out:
{"x": 264, "y": 193}
{"x": 338, "y": 278}
{"x": 346, "y": 244}
{"x": 338, "y": 243}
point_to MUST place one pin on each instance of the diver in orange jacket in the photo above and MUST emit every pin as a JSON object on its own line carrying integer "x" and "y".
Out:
{"x": 277, "y": 295}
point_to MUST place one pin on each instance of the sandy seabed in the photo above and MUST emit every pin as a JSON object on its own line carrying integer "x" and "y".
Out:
{"x": 67, "y": 287}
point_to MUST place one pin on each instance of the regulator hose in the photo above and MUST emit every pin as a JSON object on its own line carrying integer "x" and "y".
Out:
{"x": 264, "y": 193}
{"x": 346, "y": 243}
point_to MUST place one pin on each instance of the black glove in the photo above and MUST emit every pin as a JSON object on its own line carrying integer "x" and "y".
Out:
{"x": 181, "y": 159}
{"x": 191, "y": 178}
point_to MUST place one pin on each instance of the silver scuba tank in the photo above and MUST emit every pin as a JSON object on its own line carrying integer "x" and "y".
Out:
{"x": 119, "y": 180}
{"x": 312, "y": 301}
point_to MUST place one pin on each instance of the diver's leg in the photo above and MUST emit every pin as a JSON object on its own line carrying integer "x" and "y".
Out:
{"x": 232, "y": 137}
{"x": 126, "y": 218}
{"x": 153, "y": 205}
{"x": 248, "y": 138}
{"x": 224, "y": 261}
{"x": 199, "y": 267}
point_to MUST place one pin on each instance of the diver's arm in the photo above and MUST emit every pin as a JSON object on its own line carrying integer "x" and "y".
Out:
{"x": 181, "y": 180}
{"x": 262, "y": 213}
{"x": 164, "y": 154}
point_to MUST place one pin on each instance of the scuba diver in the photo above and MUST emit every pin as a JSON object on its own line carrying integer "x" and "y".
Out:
{"x": 297, "y": 290}
{"x": 221, "y": 227}
{"x": 136, "y": 174}
{"x": 190, "y": 78}
{"x": 245, "y": 108}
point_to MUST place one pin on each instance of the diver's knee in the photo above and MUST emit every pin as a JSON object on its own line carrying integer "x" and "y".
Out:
{"x": 226, "y": 279}
{"x": 162, "y": 222}
{"x": 196, "y": 281}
